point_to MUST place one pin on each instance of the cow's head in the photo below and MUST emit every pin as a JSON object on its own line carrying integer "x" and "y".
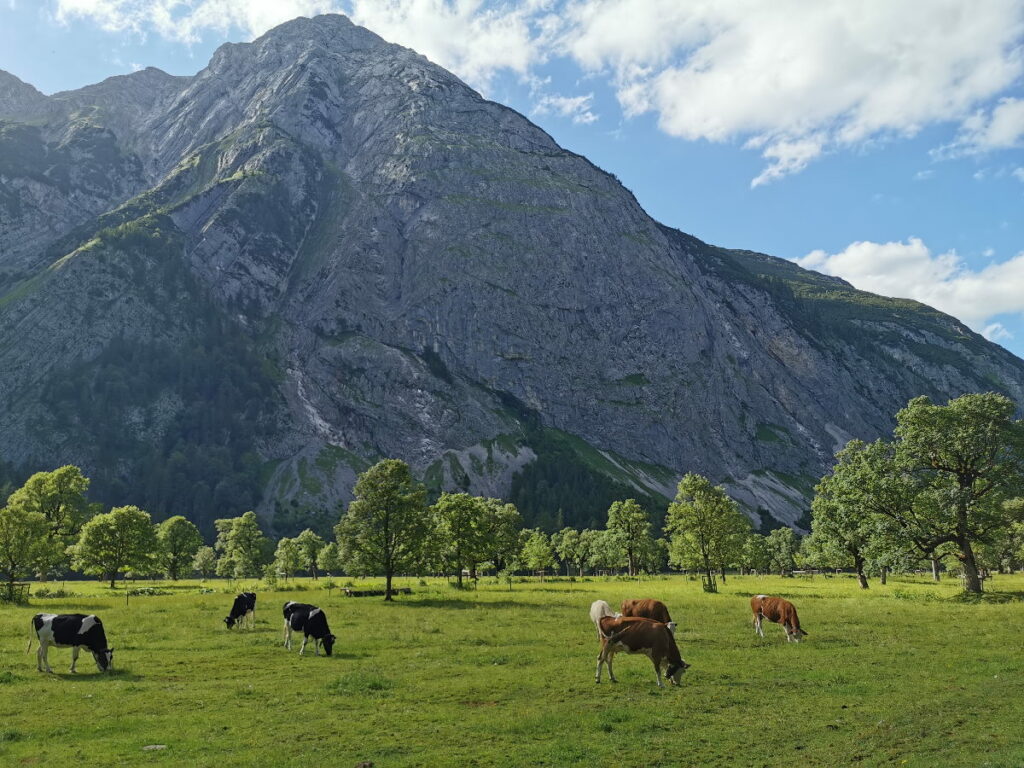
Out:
{"x": 794, "y": 635}
{"x": 328, "y": 643}
{"x": 675, "y": 672}
{"x": 104, "y": 659}
{"x": 230, "y": 621}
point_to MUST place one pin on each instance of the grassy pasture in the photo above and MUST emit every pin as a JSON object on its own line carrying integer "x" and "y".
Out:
{"x": 906, "y": 675}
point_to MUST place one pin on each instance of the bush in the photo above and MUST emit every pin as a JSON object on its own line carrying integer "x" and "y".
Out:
{"x": 147, "y": 592}
{"x": 54, "y": 593}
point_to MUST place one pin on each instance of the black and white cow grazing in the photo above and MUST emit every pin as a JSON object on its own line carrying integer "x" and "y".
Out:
{"x": 311, "y": 622}
{"x": 244, "y": 607}
{"x": 70, "y": 630}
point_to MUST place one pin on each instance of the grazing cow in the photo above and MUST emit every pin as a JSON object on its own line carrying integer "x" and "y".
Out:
{"x": 244, "y": 607}
{"x": 312, "y": 622}
{"x": 635, "y": 634}
{"x": 598, "y": 610}
{"x": 70, "y": 630}
{"x": 778, "y": 610}
{"x": 649, "y": 609}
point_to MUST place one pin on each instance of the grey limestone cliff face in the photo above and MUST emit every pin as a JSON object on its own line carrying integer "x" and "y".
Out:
{"x": 419, "y": 272}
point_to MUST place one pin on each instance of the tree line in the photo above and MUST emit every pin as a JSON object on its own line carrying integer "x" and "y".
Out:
{"x": 947, "y": 486}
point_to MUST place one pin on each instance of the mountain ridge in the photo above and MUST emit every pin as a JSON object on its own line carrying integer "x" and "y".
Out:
{"x": 380, "y": 262}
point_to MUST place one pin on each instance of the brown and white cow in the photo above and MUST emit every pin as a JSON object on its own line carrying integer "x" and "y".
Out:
{"x": 778, "y": 610}
{"x": 649, "y": 609}
{"x": 634, "y": 634}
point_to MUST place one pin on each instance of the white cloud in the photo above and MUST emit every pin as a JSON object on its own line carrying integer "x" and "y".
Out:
{"x": 472, "y": 39}
{"x": 1002, "y": 127}
{"x": 996, "y": 332}
{"x": 1018, "y": 173}
{"x": 924, "y": 175}
{"x": 576, "y": 107}
{"x": 910, "y": 270}
{"x": 787, "y": 156}
{"x": 185, "y": 20}
{"x": 799, "y": 78}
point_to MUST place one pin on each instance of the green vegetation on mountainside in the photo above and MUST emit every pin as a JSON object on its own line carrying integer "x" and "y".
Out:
{"x": 572, "y": 484}
{"x": 174, "y": 424}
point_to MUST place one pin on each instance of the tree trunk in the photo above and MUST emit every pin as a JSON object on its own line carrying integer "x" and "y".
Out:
{"x": 632, "y": 567}
{"x": 458, "y": 569}
{"x": 387, "y": 587}
{"x": 723, "y": 574}
{"x": 862, "y": 579}
{"x": 884, "y": 575}
{"x": 113, "y": 578}
{"x": 972, "y": 581}
{"x": 935, "y": 569}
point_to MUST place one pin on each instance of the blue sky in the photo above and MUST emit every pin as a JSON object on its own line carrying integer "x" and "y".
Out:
{"x": 868, "y": 140}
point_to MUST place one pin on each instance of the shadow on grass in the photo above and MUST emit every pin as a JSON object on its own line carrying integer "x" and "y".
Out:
{"x": 93, "y": 676}
{"x": 73, "y": 605}
{"x": 988, "y": 597}
{"x": 457, "y": 604}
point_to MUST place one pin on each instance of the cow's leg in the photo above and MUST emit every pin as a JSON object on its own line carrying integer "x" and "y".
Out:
{"x": 42, "y": 657}
{"x": 608, "y": 663}
{"x": 316, "y": 646}
{"x": 74, "y": 658}
{"x": 789, "y": 637}
{"x": 287, "y": 634}
{"x": 600, "y": 661}
{"x": 757, "y": 625}
{"x": 302, "y": 650}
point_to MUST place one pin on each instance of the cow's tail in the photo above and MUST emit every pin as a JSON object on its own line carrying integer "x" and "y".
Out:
{"x": 31, "y": 634}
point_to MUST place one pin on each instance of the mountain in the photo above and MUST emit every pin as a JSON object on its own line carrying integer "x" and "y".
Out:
{"x": 236, "y": 290}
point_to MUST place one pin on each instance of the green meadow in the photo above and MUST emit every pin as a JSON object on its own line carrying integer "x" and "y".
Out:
{"x": 906, "y": 674}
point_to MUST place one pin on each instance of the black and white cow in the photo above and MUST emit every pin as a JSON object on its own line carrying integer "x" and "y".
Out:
{"x": 244, "y": 607}
{"x": 311, "y": 622}
{"x": 70, "y": 630}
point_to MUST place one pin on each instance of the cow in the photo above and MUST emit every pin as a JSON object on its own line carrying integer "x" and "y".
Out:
{"x": 598, "y": 610}
{"x": 635, "y": 634}
{"x": 70, "y": 630}
{"x": 649, "y": 609}
{"x": 312, "y": 622}
{"x": 243, "y": 608}
{"x": 778, "y": 610}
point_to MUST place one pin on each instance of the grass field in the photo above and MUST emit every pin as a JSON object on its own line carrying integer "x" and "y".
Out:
{"x": 906, "y": 674}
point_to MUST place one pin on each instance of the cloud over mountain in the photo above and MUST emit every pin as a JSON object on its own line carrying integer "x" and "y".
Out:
{"x": 790, "y": 79}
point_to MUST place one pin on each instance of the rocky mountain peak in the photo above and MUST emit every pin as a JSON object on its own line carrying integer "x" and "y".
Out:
{"x": 323, "y": 249}
{"x": 17, "y": 97}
